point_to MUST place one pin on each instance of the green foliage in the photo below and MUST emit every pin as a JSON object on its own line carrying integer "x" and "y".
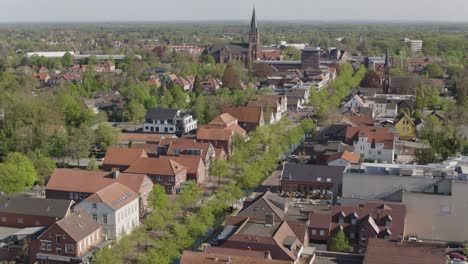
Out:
{"x": 106, "y": 136}
{"x": 231, "y": 77}
{"x": 135, "y": 112}
{"x": 67, "y": 60}
{"x": 433, "y": 70}
{"x": 80, "y": 141}
{"x": 291, "y": 53}
{"x": 158, "y": 199}
{"x": 442, "y": 137}
{"x": 339, "y": 243}
{"x": 43, "y": 165}
{"x": 16, "y": 173}
{"x": 92, "y": 165}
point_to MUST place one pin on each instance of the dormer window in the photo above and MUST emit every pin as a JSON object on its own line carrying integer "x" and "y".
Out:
{"x": 341, "y": 217}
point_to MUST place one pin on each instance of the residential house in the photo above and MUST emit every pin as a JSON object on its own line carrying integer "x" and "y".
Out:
{"x": 196, "y": 170}
{"x": 106, "y": 67}
{"x": 126, "y": 139}
{"x": 381, "y": 251}
{"x": 248, "y": 117}
{"x": 168, "y": 121}
{"x": 358, "y": 120}
{"x": 343, "y": 159}
{"x": 372, "y": 143}
{"x": 333, "y": 132}
{"x": 355, "y": 101}
{"x": 73, "y": 239}
{"x": 115, "y": 208}
{"x": 190, "y": 257}
{"x": 165, "y": 172}
{"x": 218, "y": 137}
{"x": 121, "y": 158}
{"x": 307, "y": 178}
{"x": 267, "y": 235}
{"x": 78, "y": 185}
{"x": 211, "y": 84}
{"x": 361, "y": 223}
{"x": 23, "y": 212}
{"x": 405, "y": 127}
{"x": 188, "y": 147}
{"x": 381, "y": 107}
{"x": 276, "y": 104}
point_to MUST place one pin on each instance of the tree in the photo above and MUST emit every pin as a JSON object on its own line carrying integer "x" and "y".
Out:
{"x": 105, "y": 136}
{"x": 92, "y": 165}
{"x": 57, "y": 145}
{"x": 219, "y": 168}
{"x": 339, "y": 243}
{"x": 16, "y": 173}
{"x": 107, "y": 256}
{"x": 433, "y": 70}
{"x": 231, "y": 79}
{"x": 80, "y": 141}
{"x": 158, "y": 199}
{"x": 44, "y": 167}
{"x": 67, "y": 60}
{"x": 208, "y": 59}
{"x": 197, "y": 87}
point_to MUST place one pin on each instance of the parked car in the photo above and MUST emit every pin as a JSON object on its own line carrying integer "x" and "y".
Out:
{"x": 457, "y": 256}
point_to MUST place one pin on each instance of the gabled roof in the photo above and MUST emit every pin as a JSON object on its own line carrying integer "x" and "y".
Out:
{"x": 78, "y": 224}
{"x": 248, "y": 114}
{"x": 401, "y": 116}
{"x": 159, "y": 113}
{"x": 155, "y": 166}
{"x": 345, "y": 155}
{"x": 35, "y": 206}
{"x": 276, "y": 203}
{"x": 358, "y": 120}
{"x": 115, "y": 196}
{"x": 373, "y": 134}
{"x": 321, "y": 221}
{"x": 214, "y": 133}
{"x": 224, "y": 120}
{"x": 186, "y": 145}
{"x": 123, "y": 156}
{"x": 71, "y": 180}
{"x": 192, "y": 163}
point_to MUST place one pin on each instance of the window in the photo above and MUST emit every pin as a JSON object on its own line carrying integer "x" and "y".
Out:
{"x": 322, "y": 233}
{"x": 58, "y": 250}
{"x": 76, "y": 196}
{"x": 341, "y": 219}
{"x": 94, "y": 205}
{"x": 353, "y": 221}
{"x": 95, "y": 217}
{"x": 20, "y": 220}
{"x": 104, "y": 219}
{"x": 58, "y": 239}
{"x": 158, "y": 178}
{"x": 319, "y": 179}
{"x": 172, "y": 179}
{"x": 46, "y": 245}
{"x": 71, "y": 196}
{"x": 69, "y": 248}
{"x": 4, "y": 219}
{"x": 351, "y": 236}
{"x": 314, "y": 232}
{"x": 328, "y": 179}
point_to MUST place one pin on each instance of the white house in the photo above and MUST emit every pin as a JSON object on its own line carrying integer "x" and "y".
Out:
{"x": 381, "y": 107}
{"x": 115, "y": 208}
{"x": 372, "y": 143}
{"x": 356, "y": 101}
{"x": 168, "y": 121}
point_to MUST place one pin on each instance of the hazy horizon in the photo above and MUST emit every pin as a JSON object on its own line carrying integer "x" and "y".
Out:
{"x": 144, "y": 11}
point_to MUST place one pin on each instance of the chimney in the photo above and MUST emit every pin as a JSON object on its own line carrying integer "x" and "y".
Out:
{"x": 115, "y": 174}
{"x": 267, "y": 254}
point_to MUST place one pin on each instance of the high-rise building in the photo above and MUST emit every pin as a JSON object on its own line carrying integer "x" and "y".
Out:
{"x": 416, "y": 47}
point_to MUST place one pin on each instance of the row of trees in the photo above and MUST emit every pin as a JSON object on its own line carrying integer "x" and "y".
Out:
{"x": 179, "y": 224}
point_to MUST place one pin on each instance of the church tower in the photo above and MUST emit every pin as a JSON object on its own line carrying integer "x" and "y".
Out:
{"x": 254, "y": 41}
{"x": 386, "y": 77}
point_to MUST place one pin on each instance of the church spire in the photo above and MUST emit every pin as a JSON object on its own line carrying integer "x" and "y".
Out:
{"x": 387, "y": 63}
{"x": 253, "y": 23}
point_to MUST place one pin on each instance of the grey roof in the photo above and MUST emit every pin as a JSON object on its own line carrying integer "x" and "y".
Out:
{"x": 159, "y": 113}
{"x": 311, "y": 173}
{"x": 78, "y": 225}
{"x": 234, "y": 48}
{"x": 274, "y": 201}
{"x": 35, "y": 206}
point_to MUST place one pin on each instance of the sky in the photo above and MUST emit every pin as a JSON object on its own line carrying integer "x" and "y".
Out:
{"x": 218, "y": 10}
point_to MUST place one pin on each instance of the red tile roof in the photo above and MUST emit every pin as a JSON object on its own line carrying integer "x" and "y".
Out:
{"x": 248, "y": 114}
{"x": 78, "y": 225}
{"x": 123, "y": 156}
{"x": 345, "y": 155}
{"x": 359, "y": 120}
{"x": 373, "y": 134}
{"x": 186, "y": 144}
{"x": 381, "y": 251}
{"x": 155, "y": 166}
{"x": 71, "y": 180}
{"x": 192, "y": 163}
{"x": 143, "y": 137}
{"x": 224, "y": 120}
{"x": 321, "y": 221}
{"x": 207, "y": 132}
{"x": 190, "y": 257}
